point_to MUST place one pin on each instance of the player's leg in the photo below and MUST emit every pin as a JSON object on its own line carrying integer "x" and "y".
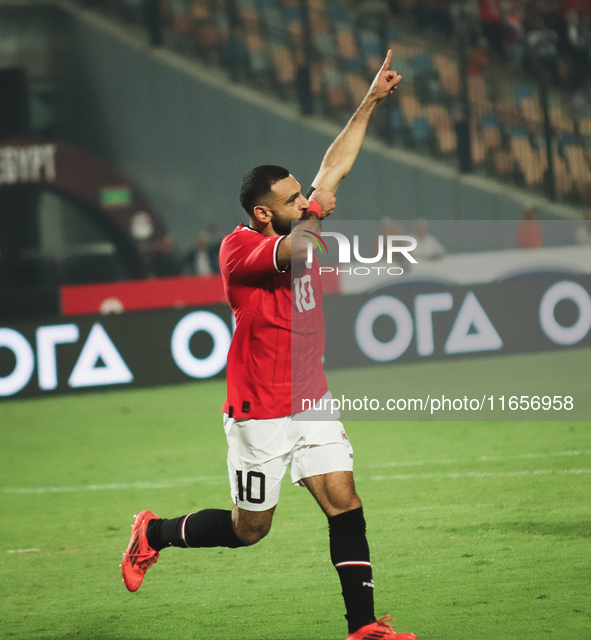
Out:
{"x": 206, "y": 528}
{"x": 349, "y": 550}
{"x": 252, "y": 526}
{"x": 334, "y": 492}
{"x": 210, "y": 528}
{"x": 323, "y": 464}
{"x": 255, "y": 469}
{"x": 257, "y": 461}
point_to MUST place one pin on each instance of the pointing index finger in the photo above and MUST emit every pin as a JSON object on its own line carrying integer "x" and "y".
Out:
{"x": 387, "y": 61}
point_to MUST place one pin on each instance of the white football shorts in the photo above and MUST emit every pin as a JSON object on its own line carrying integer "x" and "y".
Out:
{"x": 259, "y": 452}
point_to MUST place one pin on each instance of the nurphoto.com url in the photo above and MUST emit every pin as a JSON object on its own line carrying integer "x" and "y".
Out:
{"x": 435, "y": 404}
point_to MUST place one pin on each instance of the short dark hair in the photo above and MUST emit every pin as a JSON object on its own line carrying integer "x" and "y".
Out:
{"x": 257, "y": 183}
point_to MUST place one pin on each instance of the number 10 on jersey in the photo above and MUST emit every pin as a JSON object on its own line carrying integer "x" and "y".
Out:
{"x": 304, "y": 295}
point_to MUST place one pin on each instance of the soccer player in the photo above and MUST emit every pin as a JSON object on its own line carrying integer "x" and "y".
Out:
{"x": 268, "y": 372}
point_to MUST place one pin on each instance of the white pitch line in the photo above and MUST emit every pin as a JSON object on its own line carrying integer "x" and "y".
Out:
{"x": 213, "y": 480}
{"x": 168, "y": 484}
{"x": 480, "y": 474}
{"x": 522, "y": 456}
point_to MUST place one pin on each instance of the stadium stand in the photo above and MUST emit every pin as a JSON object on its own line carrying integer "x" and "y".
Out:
{"x": 505, "y": 112}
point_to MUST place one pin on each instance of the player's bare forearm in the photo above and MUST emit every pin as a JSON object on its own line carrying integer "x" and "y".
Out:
{"x": 342, "y": 153}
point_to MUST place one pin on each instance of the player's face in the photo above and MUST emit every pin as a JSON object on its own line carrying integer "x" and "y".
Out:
{"x": 287, "y": 204}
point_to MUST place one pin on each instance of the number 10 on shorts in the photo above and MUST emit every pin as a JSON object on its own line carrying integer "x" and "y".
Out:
{"x": 255, "y": 487}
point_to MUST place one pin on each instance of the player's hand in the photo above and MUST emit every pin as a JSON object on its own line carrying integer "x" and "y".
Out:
{"x": 385, "y": 81}
{"x": 326, "y": 199}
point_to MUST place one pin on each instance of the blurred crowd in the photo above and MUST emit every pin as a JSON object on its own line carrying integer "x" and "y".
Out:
{"x": 548, "y": 37}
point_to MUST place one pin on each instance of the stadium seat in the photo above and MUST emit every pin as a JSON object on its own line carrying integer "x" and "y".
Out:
{"x": 283, "y": 66}
{"x": 532, "y": 114}
{"x": 346, "y": 42}
{"x": 568, "y": 139}
{"x": 438, "y": 116}
{"x": 584, "y": 127}
{"x": 518, "y": 132}
{"x": 358, "y": 86}
{"x": 560, "y": 120}
{"x": 577, "y": 164}
{"x": 259, "y": 65}
{"x": 405, "y": 69}
{"x": 182, "y": 18}
{"x": 422, "y": 64}
{"x": 533, "y": 166}
{"x": 420, "y": 131}
{"x": 396, "y": 120}
{"x": 446, "y": 141}
{"x": 449, "y": 76}
{"x": 251, "y": 20}
{"x": 211, "y": 32}
{"x": 489, "y": 121}
{"x": 478, "y": 92}
{"x": 318, "y": 6}
{"x": 508, "y": 114}
{"x": 443, "y": 128}
{"x": 335, "y": 87}
{"x": 491, "y": 132}
{"x": 477, "y": 145}
{"x": 526, "y": 159}
{"x": 353, "y": 65}
{"x": 523, "y": 92}
{"x": 272, "y": 20}
{"x": 563, "y": 182}
{"x": 411, "y": 108}
{"x": 369, "y": 43}
{"x": 295, "y": 30}
{"x": 234, "y": 53}
{"x": 339, "y": 12}
{"x": 503, "y": 163}
{"x": 200, "y": 10}
{"x": 371, "y": 50}
{"x": 491, "y": 138}
{"x": 325, "y": 44}
{"x": 392, "y": 35}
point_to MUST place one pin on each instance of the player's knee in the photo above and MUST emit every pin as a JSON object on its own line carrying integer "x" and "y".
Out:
{"x": 253, "y": 533}
{"x": 341, "y": 500}
{"x": 252, "y": 526}
{"x": 347, "y": 502}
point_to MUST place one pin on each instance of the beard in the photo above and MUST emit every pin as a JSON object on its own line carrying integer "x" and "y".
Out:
{"x": 281, "y": 227}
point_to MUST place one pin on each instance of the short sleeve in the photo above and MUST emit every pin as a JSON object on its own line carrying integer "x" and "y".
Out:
{"x": 247, "y": 256}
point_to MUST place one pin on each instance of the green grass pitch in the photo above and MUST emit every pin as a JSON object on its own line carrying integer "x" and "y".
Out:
{"x": 478, "y": 530}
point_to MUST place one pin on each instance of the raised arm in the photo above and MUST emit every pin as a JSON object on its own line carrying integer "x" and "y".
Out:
{"x": 342, "y": 153}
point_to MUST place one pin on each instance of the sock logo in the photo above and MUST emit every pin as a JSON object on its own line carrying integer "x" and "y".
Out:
{"x": 369, "y": 584}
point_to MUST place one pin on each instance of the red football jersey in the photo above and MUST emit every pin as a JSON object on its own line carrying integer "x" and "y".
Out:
{"x": 273, "y": 363}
